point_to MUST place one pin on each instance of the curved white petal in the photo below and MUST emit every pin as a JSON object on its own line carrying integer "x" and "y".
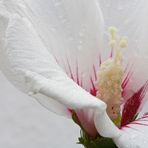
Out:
{"x": 71, "y": 30}
{"x": 29, "y": 65}
{"x": 130, "y": 17}
{"x": 134, "y": 135}
{"x": 17, "y": 51}
{"x": 105, "y": 126}
{"x": 3, "y": 25}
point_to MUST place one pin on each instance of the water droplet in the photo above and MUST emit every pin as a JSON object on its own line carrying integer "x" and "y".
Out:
{"x": 81, "y": 34}
{"x": 71, "y": 38}
{"x": 133, "y": 137}
{"x": 80, "y": 41}
{"x": 108, "y": 4}
{"x": 120, "y": 8}
{"x": 53, "y": 29}
{"x": 145, "y": 142}
{"x": 83, "y": 74}
{"x": 61, "y": 16}
{"x": 79, "y": 47}
{"x": 57, "y": 2}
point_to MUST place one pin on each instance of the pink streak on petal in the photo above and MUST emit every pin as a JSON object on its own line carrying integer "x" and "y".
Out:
{"x": 95, "y": 72}
{"x": 65, "y": 67}
{"x": 132, "y": 105}
{"x": 56, "y": 59}
{"x": 70, "y": 70}
{"x": 127, "y": 78}
{"x": 126, "y": 90}
{"x": 126, "y": 126}
{"x": 70, "y": 111}
{"x": 143, "y": 120}
{"x": 78, "y": 80}
{"x": 126, "y": 68}
{"x": 100, "y": 60}
{"x": 111, "y": 53}
{"x": 139, "y": 123}
{"x": 77, "y": 75}
{"x": 144, "y": 117}
{"x": 146, "y": 114}
{"x": 93, "y": 90}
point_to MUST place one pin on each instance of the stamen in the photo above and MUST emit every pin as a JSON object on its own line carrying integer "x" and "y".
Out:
{"x": 123, "y": 42}
{"x": 109, "y": 77}
{"x": 113, "y": 31}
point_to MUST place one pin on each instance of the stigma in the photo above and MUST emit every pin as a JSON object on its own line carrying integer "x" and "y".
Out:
{"x": 110, "y": 74}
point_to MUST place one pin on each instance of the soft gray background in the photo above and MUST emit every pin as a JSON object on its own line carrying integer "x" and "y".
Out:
{"x": 24, "y": 123}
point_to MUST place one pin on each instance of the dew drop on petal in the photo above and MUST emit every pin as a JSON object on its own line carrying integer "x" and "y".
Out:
{"x": 57, "y": 2}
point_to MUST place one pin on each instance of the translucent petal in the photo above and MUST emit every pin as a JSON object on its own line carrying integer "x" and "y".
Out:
{"x": 134, "y": 135}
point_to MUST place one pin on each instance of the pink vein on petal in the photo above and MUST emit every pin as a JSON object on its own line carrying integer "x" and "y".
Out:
{"x": 139, "y": 123}
{"x": 126, "y": 68}
{"x": 132, "y": 105}
{"x": 111, "y": 53}
{"x": 93, "y": 90}
{"x": 70, "y": 70}
{"x": 144, "y": 117}
{"x": 72, "y": 77}
{"x": 78, "y": 80}
{"x": 144, "y": 120}
{"x": 94, "y": 72}
{"x": 56, "y": 59}
{"x": 77, "y": 74}
{"x": 127, "y": 78}
{"x": 100, "y": 59}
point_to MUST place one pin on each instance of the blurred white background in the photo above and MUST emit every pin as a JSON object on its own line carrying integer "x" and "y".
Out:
{"x": 24, "y": 123}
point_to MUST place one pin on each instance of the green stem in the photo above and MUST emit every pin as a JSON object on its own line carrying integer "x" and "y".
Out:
{"x": 99, "y": 142}
{"x": 89, "y": 142}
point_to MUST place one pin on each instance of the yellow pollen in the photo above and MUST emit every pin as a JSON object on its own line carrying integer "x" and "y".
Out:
{"x": 123, "y": 42}
{"x": 109, "y": 76}
{"x": 113, "y": 31}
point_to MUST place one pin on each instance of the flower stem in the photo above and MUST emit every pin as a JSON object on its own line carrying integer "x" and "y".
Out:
{"x": 99, "y": 142}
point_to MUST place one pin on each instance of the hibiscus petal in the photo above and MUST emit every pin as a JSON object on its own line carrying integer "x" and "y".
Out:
{"x": 130, "y": 18}
{"x": 29, "y": 65}
{"x": 70, "y": 30}
{"x": 134, "y": 135}
{"x": 10, "y": 59}
{"x": 105, "y": 126}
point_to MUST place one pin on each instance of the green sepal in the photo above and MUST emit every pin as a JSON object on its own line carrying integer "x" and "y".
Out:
{"x": 91, "y": 142}
{"x": 98, "y": 142}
